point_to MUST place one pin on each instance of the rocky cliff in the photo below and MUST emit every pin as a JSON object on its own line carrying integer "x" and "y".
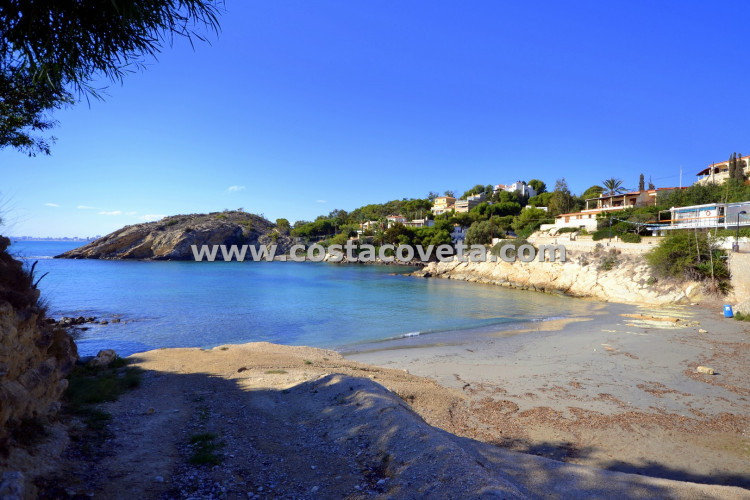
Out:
{"x": 35, "y": 356}
{"x": 604, "y": 275}
{"x": 171, "y": 237}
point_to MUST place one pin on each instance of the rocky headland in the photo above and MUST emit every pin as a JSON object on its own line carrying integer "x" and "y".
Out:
{"x": 171, "y": 237}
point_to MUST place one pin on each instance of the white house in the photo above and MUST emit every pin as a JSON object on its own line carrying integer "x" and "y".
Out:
{"x": 519, "y": 187}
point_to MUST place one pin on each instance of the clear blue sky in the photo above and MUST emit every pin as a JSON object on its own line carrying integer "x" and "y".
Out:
{"x": 306, "y": 106}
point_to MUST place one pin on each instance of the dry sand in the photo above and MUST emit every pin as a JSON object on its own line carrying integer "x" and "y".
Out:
{"x": 613, "y": 393}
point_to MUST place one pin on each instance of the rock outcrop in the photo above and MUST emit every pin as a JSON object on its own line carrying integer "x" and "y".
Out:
{"x": 171, "y": 237}
{"x": 35, "y": 356}
{"x": 607, "y": 276}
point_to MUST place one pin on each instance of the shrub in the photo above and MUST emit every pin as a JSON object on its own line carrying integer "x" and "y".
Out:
{"x": 630, "y": 238}
{"x": 601, "y": 234}
{"x": 513, "y": 242}
{"x": 742, "y": 316}
{"x": 689, "y": 255}
{"x": 564, "y": 230}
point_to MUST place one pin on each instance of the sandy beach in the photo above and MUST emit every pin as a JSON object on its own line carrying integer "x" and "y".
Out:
{"x": 605, "y": 405}
{"x": 616, "y": 390}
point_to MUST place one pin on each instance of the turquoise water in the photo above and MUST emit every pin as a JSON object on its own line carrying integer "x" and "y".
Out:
{"x": 190, "y": 304}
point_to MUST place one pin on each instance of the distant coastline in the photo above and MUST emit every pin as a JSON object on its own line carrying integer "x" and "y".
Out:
{"x": 49, "y": 238}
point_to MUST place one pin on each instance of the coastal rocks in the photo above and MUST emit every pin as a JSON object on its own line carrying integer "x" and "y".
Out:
{"x": 103, "y": 358}
{"x": 705, "y": 370}
{"x": 172, "y": 237}
{"x": 626, "y": 282}
{"x": 35, "y": 356}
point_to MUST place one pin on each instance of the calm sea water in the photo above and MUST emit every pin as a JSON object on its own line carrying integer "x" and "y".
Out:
{"x": 189, "y": 304}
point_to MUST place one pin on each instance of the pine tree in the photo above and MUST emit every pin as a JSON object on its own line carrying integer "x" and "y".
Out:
{"x": 739, "y": 169}
{"x": 650, "y": 184}
{"x": 641, "y": 183}
{"x": 733, "y": 166}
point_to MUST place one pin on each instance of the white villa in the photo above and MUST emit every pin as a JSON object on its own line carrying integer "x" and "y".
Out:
{"x": 519, "y": 187}
{"x": 609, "y": 203}
{"x": 719, "y": 172}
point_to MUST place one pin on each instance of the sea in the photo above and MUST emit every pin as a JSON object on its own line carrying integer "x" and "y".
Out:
{"x": 206, "y": 304}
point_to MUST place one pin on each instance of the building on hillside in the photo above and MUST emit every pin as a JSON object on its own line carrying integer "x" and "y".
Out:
{"x": 443, "y": 204}
{"x": 719, "y": 172}
{"x": 519, "y": 187}
{"x": 419, "y": 223}
{"x": 712, "y": 215}
{"x": 395, "y": 219}
{"x": 632, "y": 199}
{"x": 586, "y": 218}
{"x": 369, "y": 225}
{"x": 469, "y": 203}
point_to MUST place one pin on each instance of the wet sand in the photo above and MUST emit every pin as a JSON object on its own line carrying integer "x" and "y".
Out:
{"x": 617, "y": 389}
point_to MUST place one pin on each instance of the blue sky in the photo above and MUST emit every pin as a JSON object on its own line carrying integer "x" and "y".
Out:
{"x": 300, "y": 107}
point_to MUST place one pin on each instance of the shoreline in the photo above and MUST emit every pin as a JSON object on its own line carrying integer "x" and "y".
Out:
{"x": 610, "y": 390}
{"x": 595, "y": 404}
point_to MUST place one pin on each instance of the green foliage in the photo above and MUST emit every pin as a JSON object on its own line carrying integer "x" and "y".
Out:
{"x": 701, "y": 194}
{"x": 529, "y": 221}
{"x": 321, "y": 227}
{"x": 539, "y": 186}
{"x": 741, "y": 316}
{"x": 283, "y": 226}
{"x": 601, "y": 234}
{"x": 641, "y": 183}
{"x": 562, "y": 201}
{"x": 613, "y": 186}
{"x": 204, "y": 449}
{"x": 48, "y": 46}
{"x": 608, "y": 262}
{"x": 514, "y": 243}
{"x": 23, "y": 110}
{"x": 594, "y": 191}
{"x": 688, "y": 255}
{"x": 540, "y": 200}
{"x": 478, "y": 189}
{"x": 564, "y": 230}
{"x": 630, "y": 238}
{"x": 89, "y": 385}
{"x": 481, "y": 233}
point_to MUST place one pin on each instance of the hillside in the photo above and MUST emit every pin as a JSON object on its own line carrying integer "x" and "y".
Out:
{"x": 171, "y": 237}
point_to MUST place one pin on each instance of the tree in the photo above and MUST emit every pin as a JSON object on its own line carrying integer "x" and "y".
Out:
{"x": 592, "y": 192}
{"x": 641, "y": 183}
{"x": 613, "y": 186}
{"x": 739, "y": 169}
{"x": 541, "y": 200}
{"x": 650, "y": 184}
{"x": 432, "y": 195}
{"x": 539, "y": 186}
{"x": 51, "y": 49}
{"x": 450, "y": 193}
{"x": 732, "y": 165}
{"x": 282, "y": 225}
{"x": 480, "y": 233}
{"x": 561, "y": 201}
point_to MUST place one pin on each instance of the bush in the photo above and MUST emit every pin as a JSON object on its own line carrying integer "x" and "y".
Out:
{"x": 513, "y": 242}
{"x": 564, "y": 230}
{"x": 630, "y": 238}
{"x": 601, "y": 234}
{"x": 689, "y": 255}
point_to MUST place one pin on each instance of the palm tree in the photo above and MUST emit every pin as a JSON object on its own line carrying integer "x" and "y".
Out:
{"x": 613, "y": 186}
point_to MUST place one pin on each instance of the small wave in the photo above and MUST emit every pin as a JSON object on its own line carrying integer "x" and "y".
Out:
{"x": 410, "y": 334}
{"x": 550, "y": 318}
{"x": 35, "y": 257}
